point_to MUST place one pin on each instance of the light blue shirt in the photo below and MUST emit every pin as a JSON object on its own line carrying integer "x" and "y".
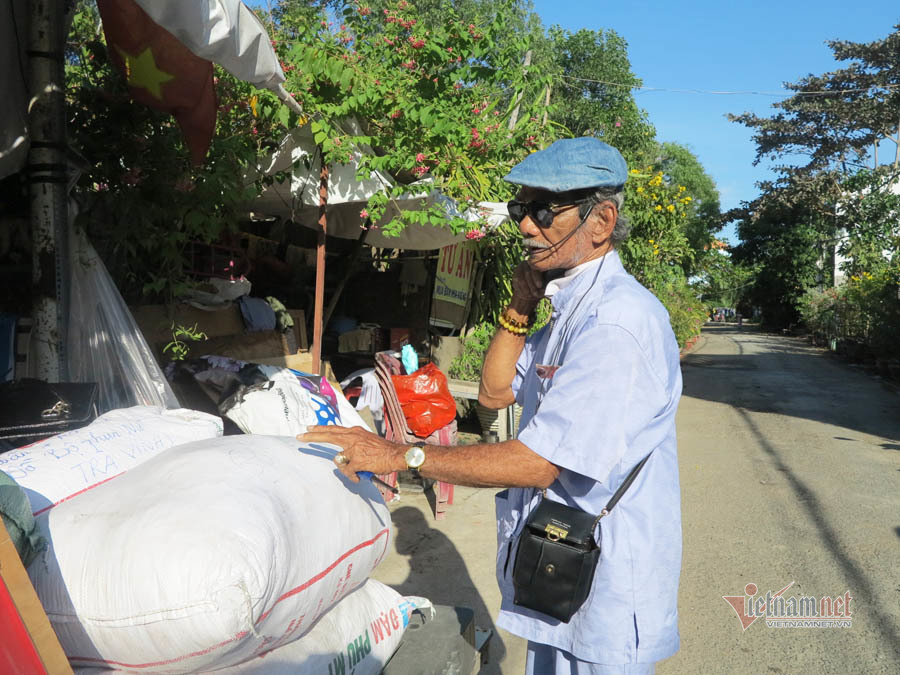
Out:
{"x": 611, "y": 402}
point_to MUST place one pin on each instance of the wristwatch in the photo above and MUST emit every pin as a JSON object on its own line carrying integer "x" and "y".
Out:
{"x": 415, "y": 457}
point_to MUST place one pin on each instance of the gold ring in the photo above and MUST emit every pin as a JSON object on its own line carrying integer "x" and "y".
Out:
{"x": 341, "y": 458}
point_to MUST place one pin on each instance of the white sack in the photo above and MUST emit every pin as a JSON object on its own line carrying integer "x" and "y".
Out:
{"x": 62, "y": 466}
{"x": 359, "y": 635}
{"x": 207, "y": 554}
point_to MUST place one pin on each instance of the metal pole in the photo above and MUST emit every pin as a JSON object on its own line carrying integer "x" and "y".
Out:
{"x": 48, "y": 186}
{"x": 320, "y": 270}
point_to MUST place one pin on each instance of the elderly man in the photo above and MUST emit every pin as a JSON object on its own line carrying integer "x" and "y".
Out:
{"x": 599, "y": 387}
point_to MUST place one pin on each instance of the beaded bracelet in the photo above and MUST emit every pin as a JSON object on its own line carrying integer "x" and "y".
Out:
{"x": 515, "y": 327}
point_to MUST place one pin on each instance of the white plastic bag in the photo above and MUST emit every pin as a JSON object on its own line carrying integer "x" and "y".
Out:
{"x": 207, "y": 554}
{"x": 62, "y": 466}
{"x": 283, "y": 406}
{"x": 104, "y": 342}
{"x": 358, "y": 635}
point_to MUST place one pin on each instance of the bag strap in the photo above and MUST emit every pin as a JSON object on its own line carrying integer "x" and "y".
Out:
{"x": 617, "y": 495}
{"x": 629, "y": 479}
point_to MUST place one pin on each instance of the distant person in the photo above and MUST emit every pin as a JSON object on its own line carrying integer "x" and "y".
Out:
{"x": 599, "y": 387}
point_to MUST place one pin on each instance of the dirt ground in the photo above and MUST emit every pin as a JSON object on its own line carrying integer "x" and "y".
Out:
{"x": 790, "y": 468}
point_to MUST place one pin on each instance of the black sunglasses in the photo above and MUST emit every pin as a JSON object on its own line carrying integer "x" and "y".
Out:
{"x": 541, "y": 213}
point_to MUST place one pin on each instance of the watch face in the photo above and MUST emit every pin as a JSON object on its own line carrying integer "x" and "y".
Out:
{"x": 415, "y": 457}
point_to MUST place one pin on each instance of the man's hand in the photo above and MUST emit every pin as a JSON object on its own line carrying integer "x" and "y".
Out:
{"x": 363, "y": 450}
{"x": 528, "y": 288}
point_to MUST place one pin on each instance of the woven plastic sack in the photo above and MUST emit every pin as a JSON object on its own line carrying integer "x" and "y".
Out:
{"x": 58, "y": 468}
{"x": 206, "y": 555}
{"x": 358, "y": 635}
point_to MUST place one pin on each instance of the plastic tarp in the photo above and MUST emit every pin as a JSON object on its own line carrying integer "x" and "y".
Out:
{"x": 104, "y": 342}
{"x": 297, "y": 199}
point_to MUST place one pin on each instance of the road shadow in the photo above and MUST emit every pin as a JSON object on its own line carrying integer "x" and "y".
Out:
{"x": 784, "y": 376}
{"x": 857, "y": 576}
{"x": 790, "y": 377}
{"x": 438, "y": 572}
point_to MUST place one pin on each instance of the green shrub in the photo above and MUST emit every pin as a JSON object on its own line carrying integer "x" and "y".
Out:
{"x": 865, "y": 309}
{"x": 687, "y": 314}
{"x": 467, "y": 366}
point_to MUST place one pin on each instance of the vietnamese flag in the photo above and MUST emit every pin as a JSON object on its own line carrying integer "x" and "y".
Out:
{"x": 161, "y": 72}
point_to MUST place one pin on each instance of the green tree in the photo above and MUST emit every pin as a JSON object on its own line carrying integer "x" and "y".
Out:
{"x": 593, "y": 91}
{"x": 870, "y": 209}
{"x": 139, "y": 198}
{"x": 724, "y": 283}
{"x": 783, "y": 244}
{"x": 836, "y": 118}
{"x": 681, "y": 167}
{"x": 431, "y": 102}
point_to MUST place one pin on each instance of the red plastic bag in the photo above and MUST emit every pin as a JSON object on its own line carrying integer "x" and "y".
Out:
{"x": 425, "y": 399}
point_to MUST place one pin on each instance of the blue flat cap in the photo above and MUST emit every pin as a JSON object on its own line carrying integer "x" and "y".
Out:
{"x": 571, "y": 164}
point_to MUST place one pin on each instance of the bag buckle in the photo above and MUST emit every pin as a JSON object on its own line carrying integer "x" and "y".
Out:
{"x": 554, "y": 532}
{"x": 60, "y": 409}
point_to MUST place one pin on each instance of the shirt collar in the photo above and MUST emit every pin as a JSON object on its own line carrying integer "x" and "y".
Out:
{"x": 560, "y": 290}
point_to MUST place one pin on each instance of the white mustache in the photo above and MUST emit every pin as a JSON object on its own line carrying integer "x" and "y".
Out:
{"x": 531, "y": 243}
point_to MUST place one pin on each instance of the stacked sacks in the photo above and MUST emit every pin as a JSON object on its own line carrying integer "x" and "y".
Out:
{"x": 71, "y": 463}
{"x": 359, "y": 635}
{"x": 208, "y": 555}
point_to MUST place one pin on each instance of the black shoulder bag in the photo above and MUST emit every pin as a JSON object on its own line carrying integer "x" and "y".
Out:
{"x": 557, "y": 555}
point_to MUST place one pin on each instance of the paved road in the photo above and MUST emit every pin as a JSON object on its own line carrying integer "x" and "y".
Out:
{"x": 790, "y": 469}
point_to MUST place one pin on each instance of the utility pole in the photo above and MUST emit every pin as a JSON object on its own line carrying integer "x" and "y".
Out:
{"x": 48, "y": 186}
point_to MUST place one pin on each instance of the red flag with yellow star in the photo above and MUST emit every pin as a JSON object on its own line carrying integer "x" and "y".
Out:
{"x": 161, "y": 72}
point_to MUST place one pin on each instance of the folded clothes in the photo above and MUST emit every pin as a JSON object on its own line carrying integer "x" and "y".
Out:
{"x": 258, "y": 314}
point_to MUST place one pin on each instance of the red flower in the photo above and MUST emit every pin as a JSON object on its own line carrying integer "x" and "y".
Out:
{"x": 420, "y": 157}
{"x": 363, "y": 214}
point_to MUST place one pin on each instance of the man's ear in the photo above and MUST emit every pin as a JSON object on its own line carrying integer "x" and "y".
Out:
{"x": 603, "y": 220}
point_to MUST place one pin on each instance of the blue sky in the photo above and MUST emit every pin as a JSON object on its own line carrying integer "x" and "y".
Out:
{"x": 723, "y": 46}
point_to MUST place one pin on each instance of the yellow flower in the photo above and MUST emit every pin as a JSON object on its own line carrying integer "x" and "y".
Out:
{"x": 658, "y": 207}
{"x": 653, "y": 196}
{"x": 681, "y": 188}
{"x": 633, "y": 171}
{"x": 253, "y": 106}
{"x": 688, "y": 199}
{"x": 640, "y": 189}
{"x": 650, "y": 240}
{"x": 670, "y": 208}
